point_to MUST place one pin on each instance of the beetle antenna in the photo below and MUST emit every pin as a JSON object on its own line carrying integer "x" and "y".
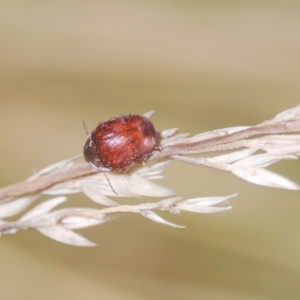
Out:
{"x": 110, "y": 183}
{"x": 84, "y": 126}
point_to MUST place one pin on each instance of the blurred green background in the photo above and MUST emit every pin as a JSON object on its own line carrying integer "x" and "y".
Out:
{"x": 202, "y": 65}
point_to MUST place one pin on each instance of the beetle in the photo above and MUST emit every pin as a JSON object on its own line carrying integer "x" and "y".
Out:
{"x": 117, "y": 143}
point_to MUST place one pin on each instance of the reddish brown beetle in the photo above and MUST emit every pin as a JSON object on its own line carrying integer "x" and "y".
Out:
{"x": 117, "y": 143}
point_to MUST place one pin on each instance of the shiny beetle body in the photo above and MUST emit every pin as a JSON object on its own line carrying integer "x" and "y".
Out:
{"x": 119, "y": 142}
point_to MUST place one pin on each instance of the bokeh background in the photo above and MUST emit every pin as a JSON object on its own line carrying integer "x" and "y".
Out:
{"x": 201, "y": 65}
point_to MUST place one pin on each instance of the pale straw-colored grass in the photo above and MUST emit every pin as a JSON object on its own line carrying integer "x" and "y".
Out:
{"x": 248, "y": 151}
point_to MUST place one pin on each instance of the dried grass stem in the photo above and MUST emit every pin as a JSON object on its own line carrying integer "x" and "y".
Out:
{"x": 39, "y": 184}
{"x": 219, "y": 143}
